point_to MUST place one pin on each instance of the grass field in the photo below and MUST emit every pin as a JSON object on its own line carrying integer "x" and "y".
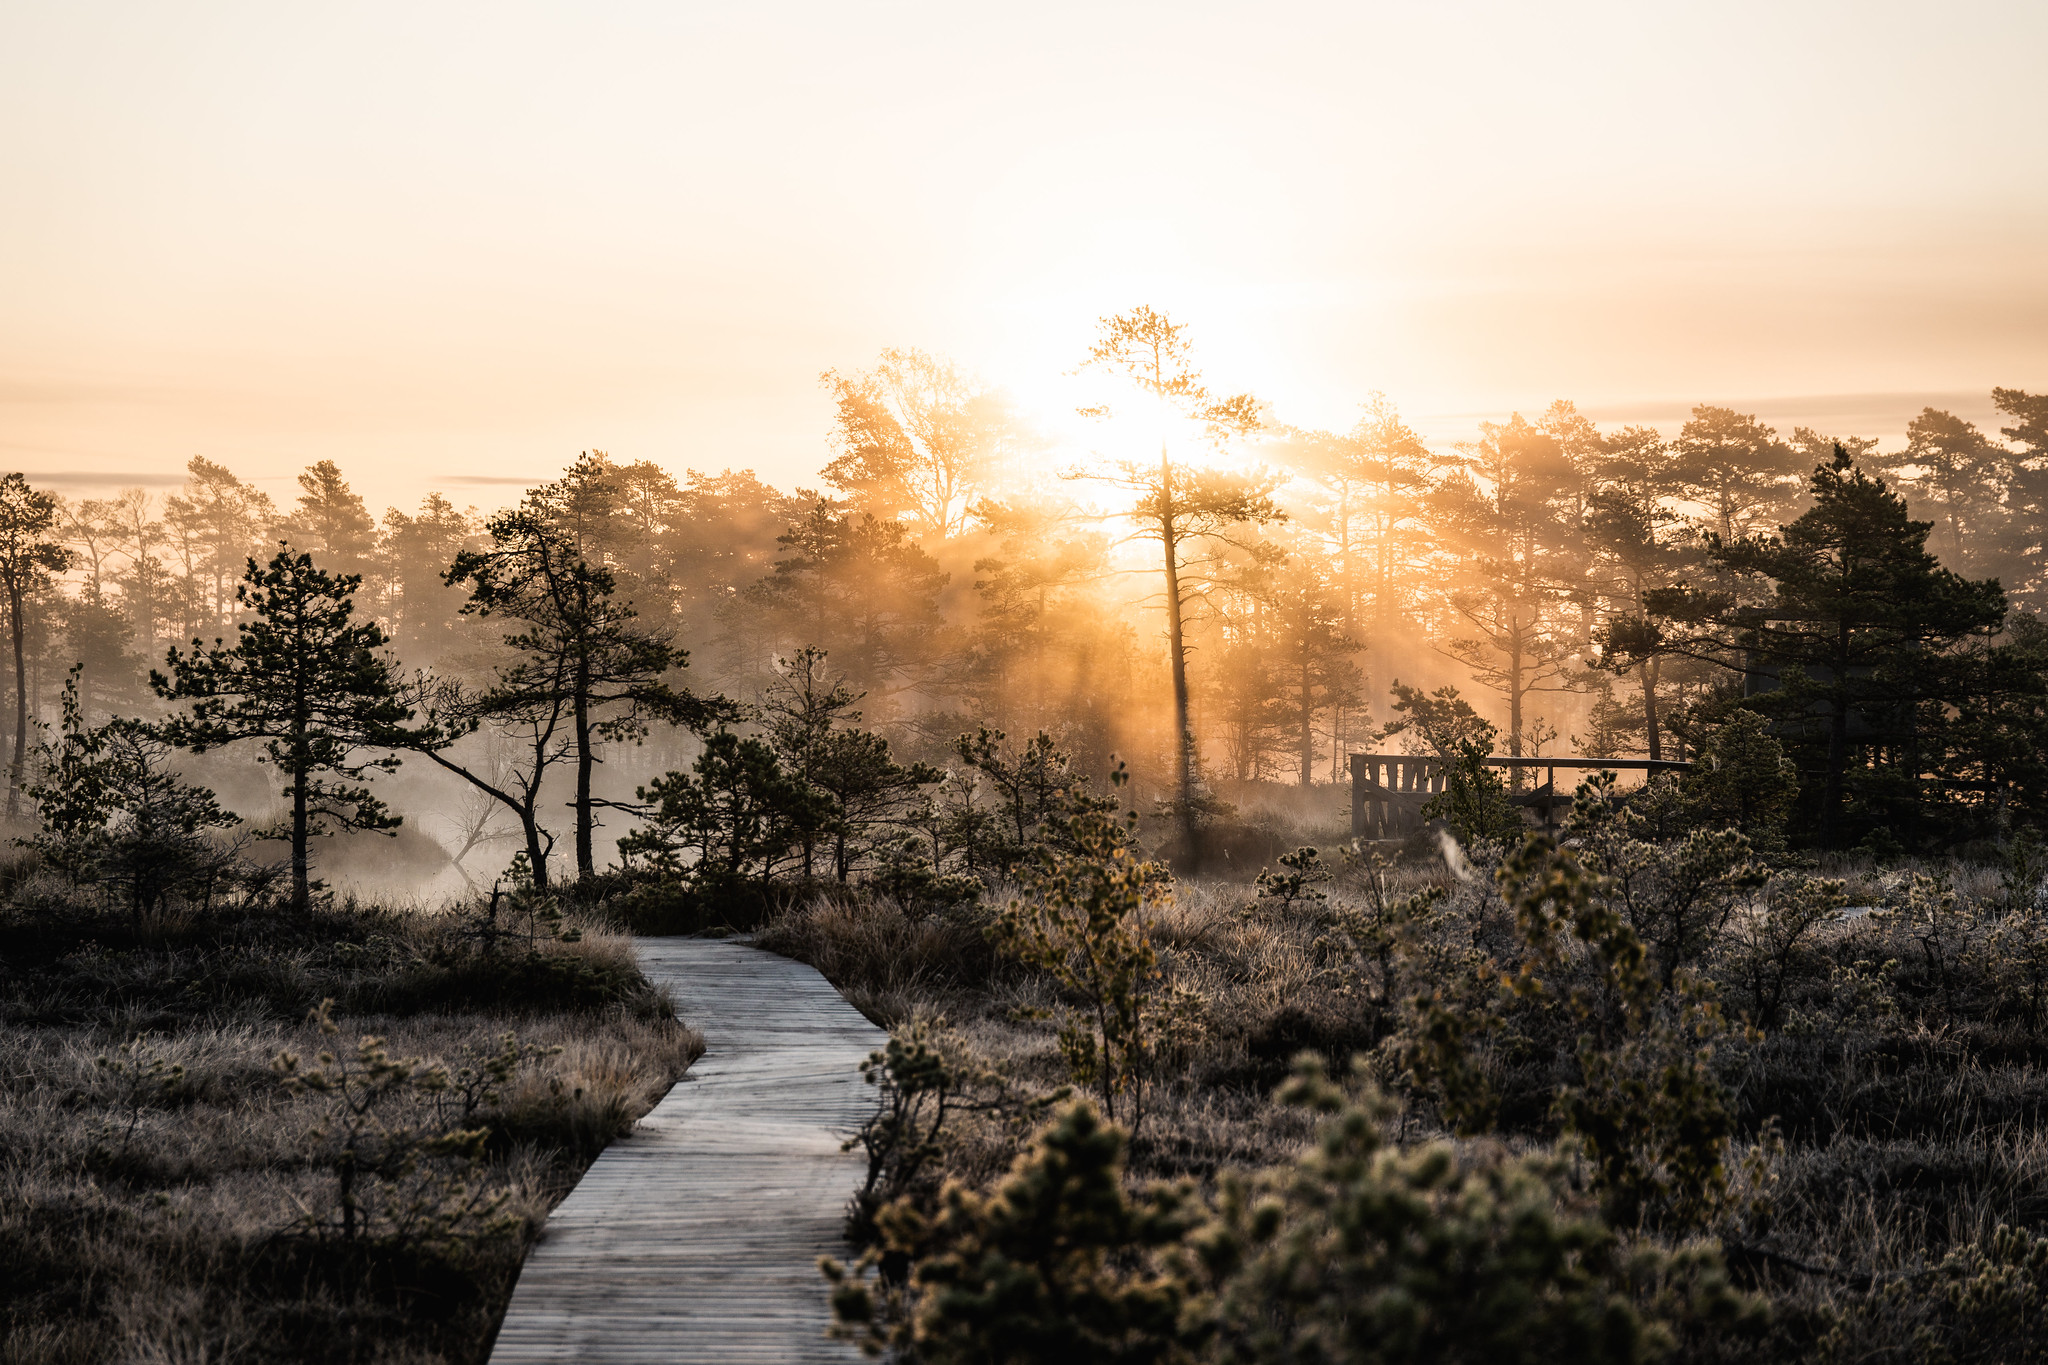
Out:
{"x": 166, "y": 1194}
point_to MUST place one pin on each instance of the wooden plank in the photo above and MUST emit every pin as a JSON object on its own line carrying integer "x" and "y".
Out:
{"x": 696, "y": 1239}
{"x": 1430, "y": 770}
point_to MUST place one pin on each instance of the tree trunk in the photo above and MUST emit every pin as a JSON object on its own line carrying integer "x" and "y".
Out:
{"x": 1515, "y": 690}
{"x": 1838, "y": 746}
{"x": 1336, "y": 743}
{"x": 535, "y": 853}
{"x": 347, "y": 1171}
{"x": 586, "y": 861}
{"x": 1838, "y": 762}
{"x": 1308, "y": 741}
{"x": 1183, "y": 736}
{"x": 1649, "y": 671}
{"x": 302, "y": 884}
{"x": 20, "y": 761}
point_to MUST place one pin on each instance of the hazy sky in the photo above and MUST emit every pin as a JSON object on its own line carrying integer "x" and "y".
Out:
{"x": 451, "y": 244}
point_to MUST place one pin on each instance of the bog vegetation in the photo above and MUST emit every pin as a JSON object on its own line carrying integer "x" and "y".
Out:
{"x": 1049, "y": 775}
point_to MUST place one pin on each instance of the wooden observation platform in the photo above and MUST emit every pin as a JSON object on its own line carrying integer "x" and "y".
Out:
{"x": 1388, "y": 791}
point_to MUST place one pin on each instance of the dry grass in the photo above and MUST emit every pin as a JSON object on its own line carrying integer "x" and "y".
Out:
{"x": 889, "y": 964}
{"x": 155, "y": 1210}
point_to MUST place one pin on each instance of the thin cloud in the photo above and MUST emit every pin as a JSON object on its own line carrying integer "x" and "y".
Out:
{"x": 93, "y": 479}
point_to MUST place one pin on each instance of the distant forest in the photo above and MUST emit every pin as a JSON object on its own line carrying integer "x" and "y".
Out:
{"x": 1308, "y": 593}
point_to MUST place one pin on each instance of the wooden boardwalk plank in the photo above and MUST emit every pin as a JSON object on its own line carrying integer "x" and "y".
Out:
{"x": 695, "y": 1240}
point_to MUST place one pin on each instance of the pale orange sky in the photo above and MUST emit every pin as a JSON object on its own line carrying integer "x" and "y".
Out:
{"x": 446, "y": 245}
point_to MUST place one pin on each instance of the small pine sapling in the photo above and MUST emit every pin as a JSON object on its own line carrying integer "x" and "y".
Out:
{"x": 920, "y": 1077}
{"x": 1083, "y": 919}
{"x": 1368, "y": 1255}
{"x": 1647, "y": 1106}
{"x": 398, "y": 1179}
{"x": 477, "y": 1081}
{"x": 1058, "y": 1263}
{"x": 114, "y": 815}
{"x": 143, "y": 1077}
{"x": 1298, "y": 882}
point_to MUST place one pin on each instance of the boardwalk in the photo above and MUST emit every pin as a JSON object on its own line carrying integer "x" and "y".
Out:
{"x": 696, "y": 1239}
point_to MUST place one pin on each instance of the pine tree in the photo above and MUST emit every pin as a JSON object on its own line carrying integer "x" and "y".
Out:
{"x": 417, "y": 550}
{"x": 1507, "y": 515}
{"x": 1959, "y": 474}
{"x": 725, "y": 827}
{"x": 98, "y": 639}
{"x": 527, "y": 738}
{"x": 809, "y": 719}
{"x": 1181, "y": 507}
{"x": 305, "y": 680}
{"x": 1856, "y": 646}
{"x": 113, "y": 814}
{"x": 861, "y": 589}
{"x": 330, "y": 520}
{"x": 1635, "y": 544}
{"x": 1033, "y": 661}
{"x": 28, "y": 556}
{"x": 917, "y": 439}
{"x": 2027, "y": 496}
{"x": 216, "y": 521}
{"x": 577, "y": 640}
{"x": 1311, "y": 653}
{"x": 1734, "y": 465}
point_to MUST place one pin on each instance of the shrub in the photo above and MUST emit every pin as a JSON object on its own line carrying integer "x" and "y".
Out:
{"x": 1995, "y": 1297}
{"x": 1298, "y": 881}
{"x": 1677, "y": 894}
{"x": 1772, "y": 948}
{"x": 115, "y": 817}
{"x": 1360, "y": 1253}
{"x": 1474, "y": 801}
{"x": 907, "y": 874}
{"x": 1353, "y": 1253}
{"x": 918, "y": 1077}
{"x": 1082, "y": 918}
{"x": 1651, "y": 1113}
{"x": 397, "y": 1177}
{"x": 1058, "y": 1263}
{"x": 1742, "y": 780}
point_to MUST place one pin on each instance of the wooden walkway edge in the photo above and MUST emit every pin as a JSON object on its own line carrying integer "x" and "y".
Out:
{"x": 696, "y": 1239}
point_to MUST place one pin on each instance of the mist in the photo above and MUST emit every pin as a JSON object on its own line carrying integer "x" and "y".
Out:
{"x": 960, "y": 564}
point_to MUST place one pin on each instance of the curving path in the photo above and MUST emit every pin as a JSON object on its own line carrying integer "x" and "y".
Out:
{"x": 696, "y": 1239}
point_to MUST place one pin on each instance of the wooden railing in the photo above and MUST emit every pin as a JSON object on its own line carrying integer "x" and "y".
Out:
{"x": 1388, "y": 791}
